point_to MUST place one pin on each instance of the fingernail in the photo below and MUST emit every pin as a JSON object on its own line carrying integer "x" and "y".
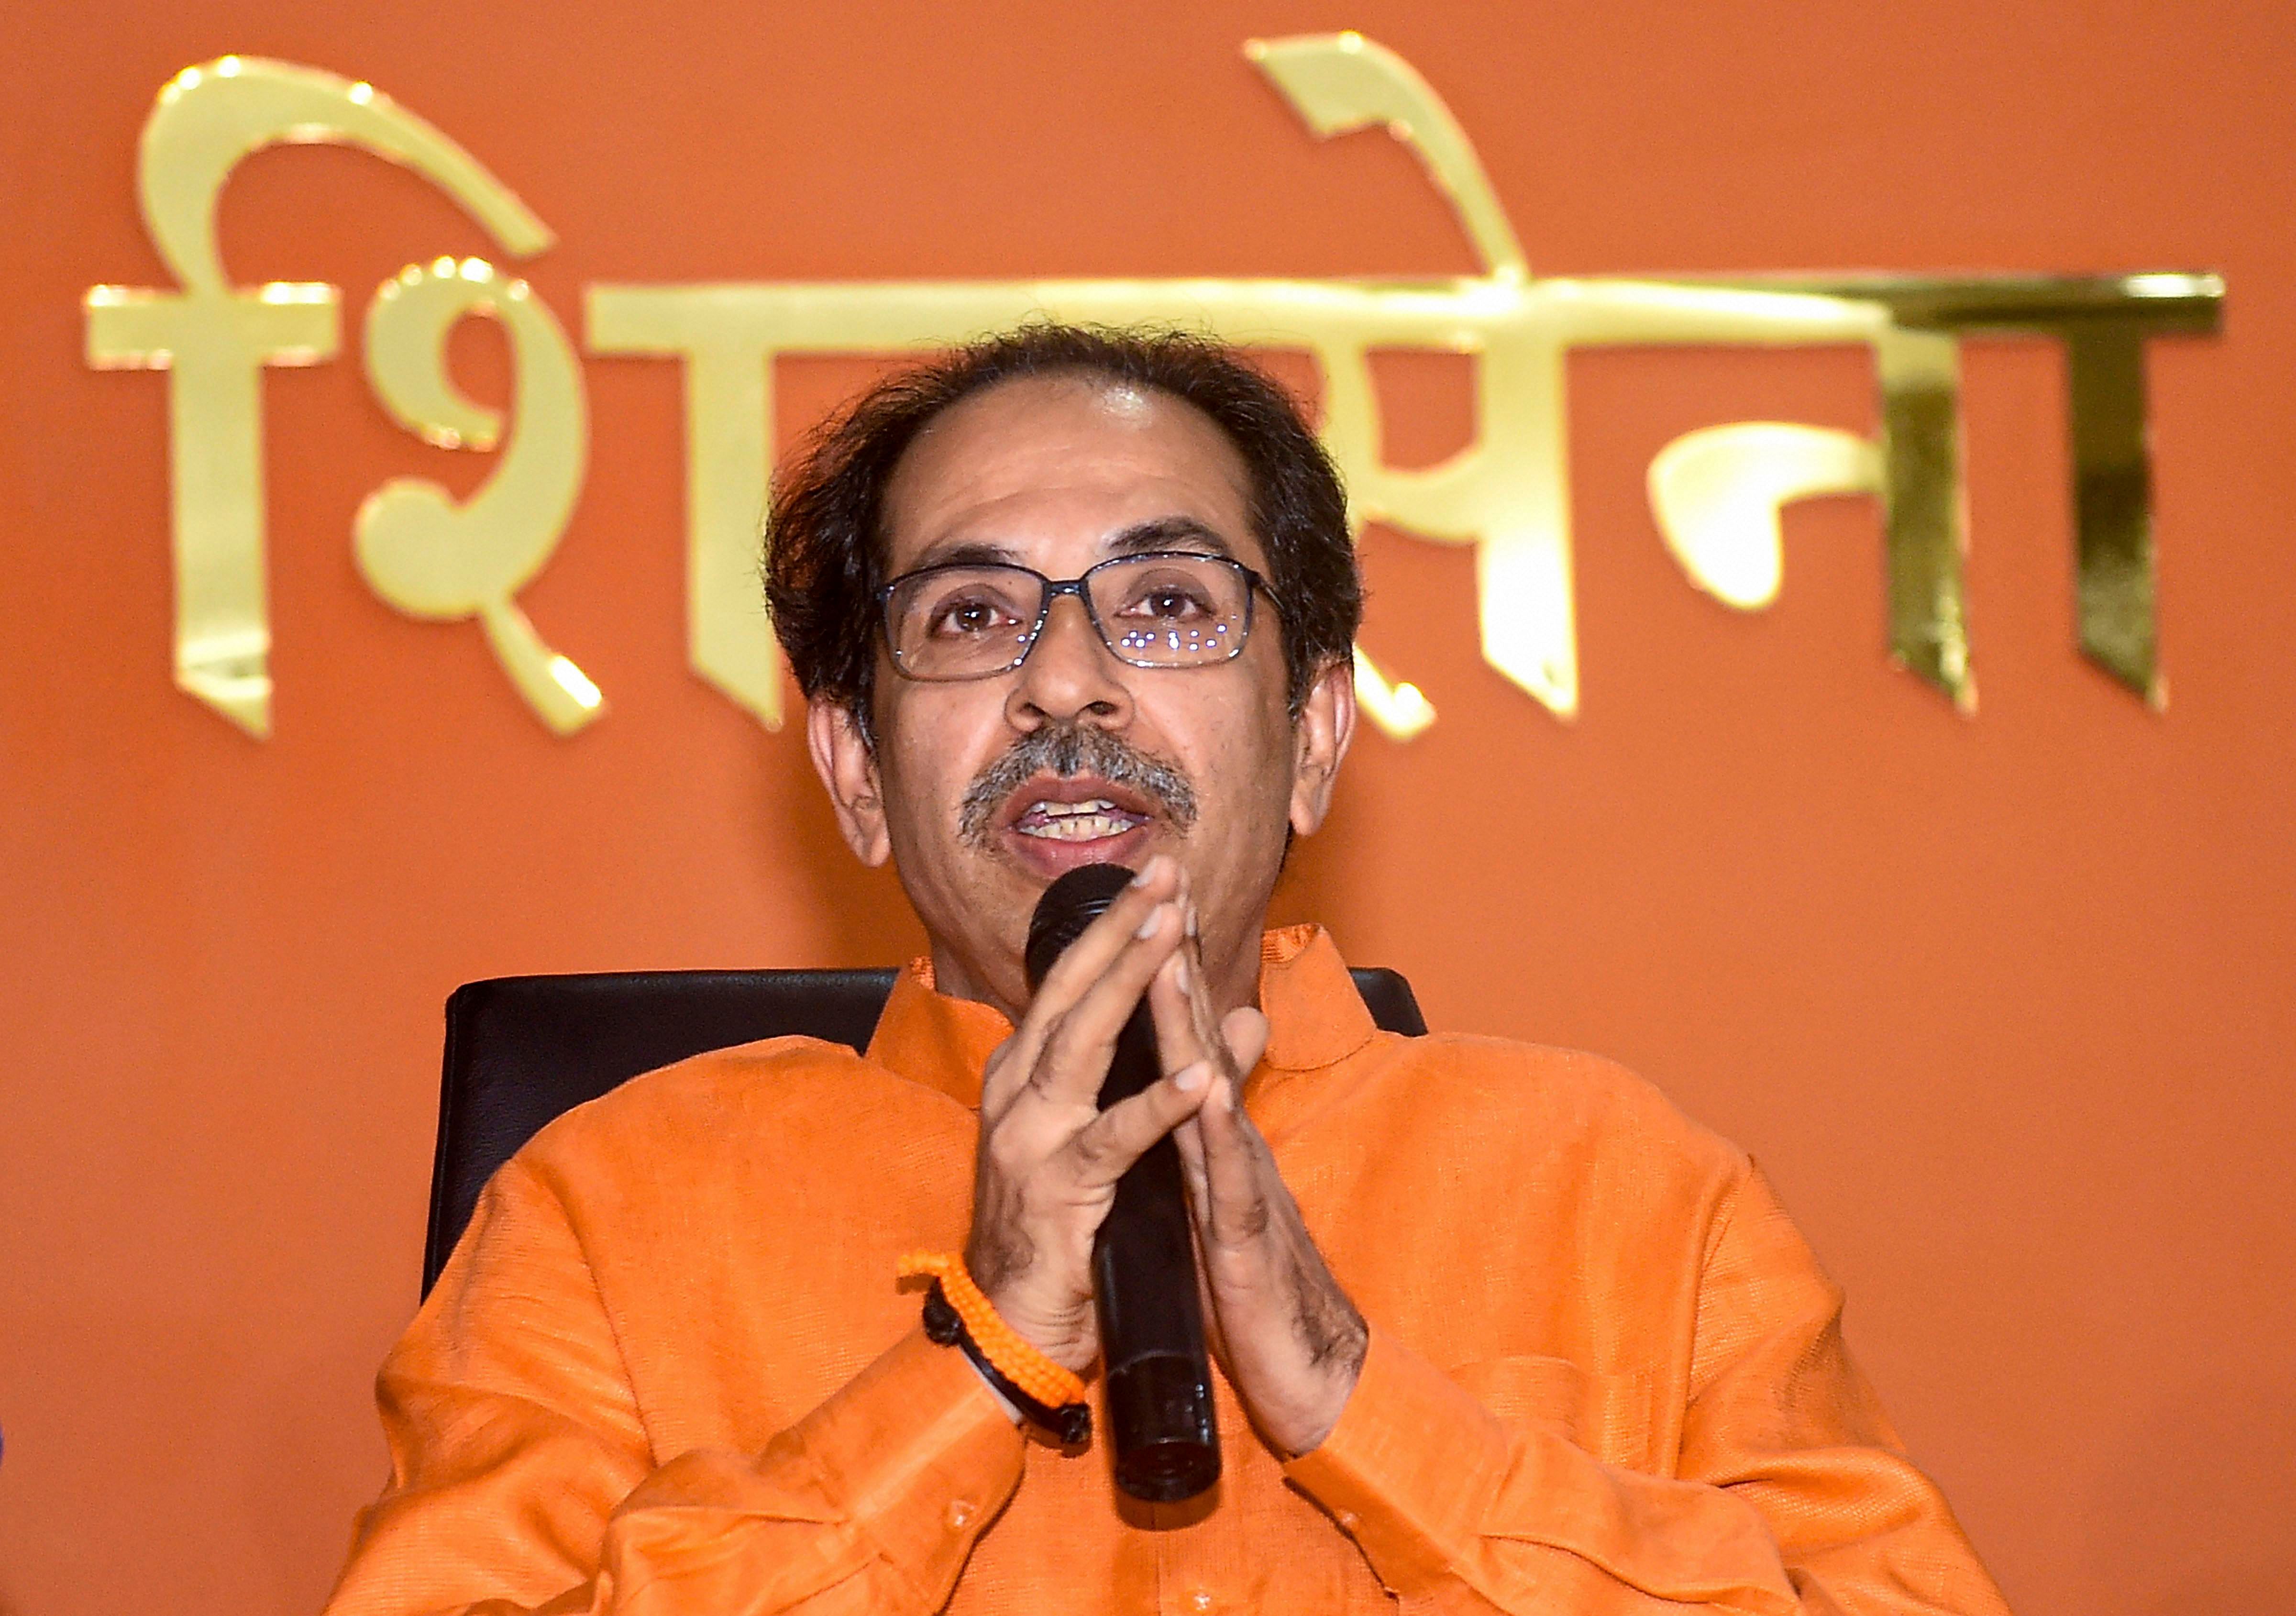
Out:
{"x": 1147, "y": 873}
{"x": 1180, "y": 977}
{"x": 1190, "y": 1079}
{"x": 1191, "y": 920}
{"x": 1155, "y": 919}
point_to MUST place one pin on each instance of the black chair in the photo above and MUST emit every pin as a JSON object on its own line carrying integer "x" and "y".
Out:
{"x": 522, "y": 1049}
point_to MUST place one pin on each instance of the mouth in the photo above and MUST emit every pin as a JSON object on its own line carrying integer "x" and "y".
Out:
{"x": 1055, "y": 823}
{"x": 1065, "y": 796}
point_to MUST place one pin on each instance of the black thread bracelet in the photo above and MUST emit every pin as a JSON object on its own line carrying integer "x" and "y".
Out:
{"x": 1069, "y": 1423}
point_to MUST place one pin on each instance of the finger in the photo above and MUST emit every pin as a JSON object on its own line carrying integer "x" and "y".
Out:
{"x": 1244, "y": 1036}
{"x": 1077, "y": 1050}
{"x": 1237, "y": 1172}
{"x": 1001, "y": 1077}
{"x": 1207, "y": 1304}
{"x": 1083, "y": 961}
{"x": 1187, "y": 1028}
{"x": 1189, "y": 1137}
{"x": 1184, "y": 1024}
{"x": 1245, "y": 1032}
{"x": 1103, "y": 1148}
{"x": 1081, "y": 964}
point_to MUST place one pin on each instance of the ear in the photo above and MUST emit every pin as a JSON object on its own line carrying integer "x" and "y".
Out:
{"x": 1320, "y": 737}
{"x": 847, "y": 767}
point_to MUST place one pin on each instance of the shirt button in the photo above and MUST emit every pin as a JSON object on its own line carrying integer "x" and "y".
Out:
{"x": 1200, "y": 1601}
{"x": 1349, "y": 1519}
{"x": 960, "y": 1515}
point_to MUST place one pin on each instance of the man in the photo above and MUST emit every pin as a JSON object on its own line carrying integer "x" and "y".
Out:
{"x": 1497, "y": 1329}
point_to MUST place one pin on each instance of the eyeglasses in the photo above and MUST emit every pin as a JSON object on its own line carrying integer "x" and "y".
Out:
{"x": 1164, "y": 609}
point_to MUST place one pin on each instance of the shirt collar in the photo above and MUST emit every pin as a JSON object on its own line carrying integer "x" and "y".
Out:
{"x": 1316, "y": 1018}
{"x": 931, "y": 1039}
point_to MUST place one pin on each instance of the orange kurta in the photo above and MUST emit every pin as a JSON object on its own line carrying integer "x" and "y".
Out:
{"x": 670, "y": 1370}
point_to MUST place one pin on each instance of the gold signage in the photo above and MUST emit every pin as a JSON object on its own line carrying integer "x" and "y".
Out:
{"x": 1716, "y": 493}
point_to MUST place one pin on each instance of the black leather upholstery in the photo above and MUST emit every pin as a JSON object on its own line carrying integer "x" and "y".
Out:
{"x": 522, "y": 1049}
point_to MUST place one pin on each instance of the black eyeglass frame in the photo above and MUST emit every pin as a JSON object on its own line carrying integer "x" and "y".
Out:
{"x": 1053, "y": 588}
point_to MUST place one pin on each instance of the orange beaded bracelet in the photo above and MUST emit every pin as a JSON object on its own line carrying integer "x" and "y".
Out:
{"x": 1001, "y": 1349}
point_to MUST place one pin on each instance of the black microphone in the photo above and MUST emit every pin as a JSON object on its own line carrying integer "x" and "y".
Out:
{"x": 1144, "y": 1260}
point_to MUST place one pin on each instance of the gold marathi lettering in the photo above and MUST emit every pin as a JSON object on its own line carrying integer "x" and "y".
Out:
{"x": 214, "y": 339}
{"x": 1715, "y": 494}
{"x": 432, "y": 558}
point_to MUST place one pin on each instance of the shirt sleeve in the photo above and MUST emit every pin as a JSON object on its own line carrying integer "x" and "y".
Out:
{"x": 1790, "y": 1493}
{"x": 523, "y": 1480}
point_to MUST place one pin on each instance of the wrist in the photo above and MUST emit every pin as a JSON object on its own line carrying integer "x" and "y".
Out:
{"x": 1000, "y": 1269}
{"x": 1314, "y": 1415}
{"x": 1064, "y": 1341}
{"x": 1302, "y": 1408}
{"x": 1042, "y": 1390}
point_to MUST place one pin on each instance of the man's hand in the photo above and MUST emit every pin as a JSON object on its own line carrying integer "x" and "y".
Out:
{"x": 1291, "y": 1340}
{"x": 1049, "y": 1160}
{"x": 1049, "y": 1157}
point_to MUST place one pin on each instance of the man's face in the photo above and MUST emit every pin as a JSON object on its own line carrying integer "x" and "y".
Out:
{"x": 1115, "y": 763}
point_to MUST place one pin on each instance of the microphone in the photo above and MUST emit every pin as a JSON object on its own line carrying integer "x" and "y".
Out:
{"x": 1143, "y": 1260}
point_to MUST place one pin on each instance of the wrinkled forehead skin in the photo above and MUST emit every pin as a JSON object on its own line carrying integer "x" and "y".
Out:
{"x": 1004, "y": 456}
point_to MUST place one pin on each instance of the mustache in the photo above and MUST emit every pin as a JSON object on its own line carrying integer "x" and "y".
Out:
{"x": 1065, "y": 752}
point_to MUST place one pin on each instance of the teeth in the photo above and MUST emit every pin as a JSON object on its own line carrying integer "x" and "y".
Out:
{"x": 1098, "y": 805}
{"x": 1077, "y": 827}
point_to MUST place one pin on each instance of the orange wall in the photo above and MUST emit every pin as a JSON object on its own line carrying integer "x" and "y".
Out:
{"x": 2001, "y": 1004}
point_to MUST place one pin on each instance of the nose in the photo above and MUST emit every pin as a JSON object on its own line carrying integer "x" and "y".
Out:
{"x": 1071, "y": 675}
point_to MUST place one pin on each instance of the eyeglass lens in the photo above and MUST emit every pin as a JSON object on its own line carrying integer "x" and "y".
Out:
{"x": 1152, "y": 612}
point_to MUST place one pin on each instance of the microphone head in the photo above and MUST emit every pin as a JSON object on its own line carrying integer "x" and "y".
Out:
{"x": 1068, "y": 907}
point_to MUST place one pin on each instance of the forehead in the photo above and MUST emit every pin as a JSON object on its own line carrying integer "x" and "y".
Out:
{"x": 1051, "y": 468}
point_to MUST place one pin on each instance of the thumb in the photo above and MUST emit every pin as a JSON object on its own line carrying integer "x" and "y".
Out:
{"x": 1245, "y": 1033}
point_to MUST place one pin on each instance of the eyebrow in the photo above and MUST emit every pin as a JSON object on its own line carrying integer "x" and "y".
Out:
{"x": 1170, "y": 533}
{"x": 1157, "y": 533}
{"x": 974, "y": 553}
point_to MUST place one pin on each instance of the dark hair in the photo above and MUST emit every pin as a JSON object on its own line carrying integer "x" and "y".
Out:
{"x": 825, "y": 545}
